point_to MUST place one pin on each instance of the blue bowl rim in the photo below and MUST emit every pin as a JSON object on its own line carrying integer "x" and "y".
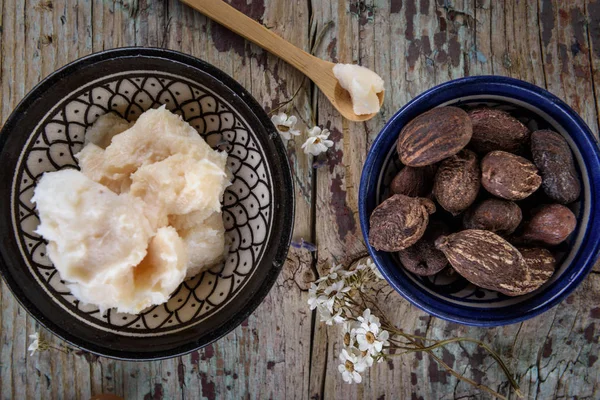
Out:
{"x": 546, "y": 102}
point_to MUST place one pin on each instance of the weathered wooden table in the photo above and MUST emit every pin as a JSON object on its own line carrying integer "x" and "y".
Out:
{"x": 281, "y": 352}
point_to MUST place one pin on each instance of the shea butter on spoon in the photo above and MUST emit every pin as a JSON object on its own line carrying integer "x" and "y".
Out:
{"x": 352, "y": 97}
{"x": 362, "y": 84}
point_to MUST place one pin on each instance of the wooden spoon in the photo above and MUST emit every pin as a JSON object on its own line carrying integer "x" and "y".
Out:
{"x": 319, "y": 71}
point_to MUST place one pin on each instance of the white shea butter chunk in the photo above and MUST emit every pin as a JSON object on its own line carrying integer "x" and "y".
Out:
{"x": 91, "y": 157}
{"x": 363, "y": 86}
{"x": 103, "y": 246}
{"x": 91, "y": 162}
{"x": 156, "y": 135}
{"x": 92, "y": 232}
{"x": 149, "y": 283}
{"x": 143, "y": 214}
{"x": 180, "y": 184}
{"x": 204, "y": 239}
{"x": 105, "y": 128}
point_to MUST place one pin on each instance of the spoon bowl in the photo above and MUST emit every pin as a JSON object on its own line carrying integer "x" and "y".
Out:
{"x": 343, "y": 103}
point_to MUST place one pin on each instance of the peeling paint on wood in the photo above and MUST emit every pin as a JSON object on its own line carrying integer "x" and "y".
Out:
{"x": 279, "y": 352}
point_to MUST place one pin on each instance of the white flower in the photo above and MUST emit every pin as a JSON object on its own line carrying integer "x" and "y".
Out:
{"x": 368, "y": 318}
{"x": 360, "y": 267}
{"x": 348, "y": 333}
{"x": 285, "y": 125}
{"x": 337, "y": 290}
{"x": 351, "y": 365}
{"x": 371, "y": 265}
{"x": 370, "y": 337}
{"x": 333, "y": 274}
{"x": 348, "y": 274}
{"x": 366, "y": 358}
{"x": 34, "y": 346}
{"x": 313, "y": 299}
{"x": 317, "y": 141}
{"x": 328, "y": 303}
{"x": 329, "y": 318}
{"x": 336, "y": 268}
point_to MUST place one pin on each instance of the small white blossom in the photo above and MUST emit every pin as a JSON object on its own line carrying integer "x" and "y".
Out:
{"x": 371, "y": 265}
{"x": 367, "y": 358}
{"x": 34, "y": 346}
{"x": 318, "y": 141}
{"x": 371, "y": 338}
{"x": 368, "y": 318}
{"x": 348, "y": 274}
{"x": 328, "y": 303}
{"x": 333, "y": 272}
{"x": 337, "y": 290}
{"x": 351, "y": 366}
{"x": 329, "y": 318}
{"x": 285, "y": 125}
{"x": 315, "y": 300}
{"x": 336, "y": 268}
{"x": 357, "y": 268}
{"x": 348, "y": 333}
{"x": 361, "y": 267}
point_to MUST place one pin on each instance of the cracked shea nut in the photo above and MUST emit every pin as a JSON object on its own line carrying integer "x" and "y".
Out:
{"x": 414, "y": 182}
{"x": 509, "y": 176}
{"x": 496, "y": 130}
{"x": 422, "y": 258}
{"x": 487, "y": 260}
{"x": 495, "y": 215}
{"x": 433, "y": 136}
{"x": 550, "y": 225}
{"x": 552, "y": 155}
{"x": 457, "y": 182}
{"x": 399, "y": 222}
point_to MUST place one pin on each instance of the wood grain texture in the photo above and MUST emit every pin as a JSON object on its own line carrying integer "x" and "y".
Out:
{"x": 281, "y": 351}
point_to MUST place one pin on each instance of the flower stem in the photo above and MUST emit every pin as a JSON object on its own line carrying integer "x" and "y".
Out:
{"x": 289, "y": 101}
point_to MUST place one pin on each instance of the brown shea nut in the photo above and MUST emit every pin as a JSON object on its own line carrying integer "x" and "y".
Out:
{"x": 486, "y": 260}
{"x": 540, "y": 263}
{"x": 496, "y": 130}
{"x": 457, "y": 182}
{"x": 539, "y": 259}
{"x": 422, "y": 258}
{"x": 495, "y": 215}
{"x": 509, "y": 176}
{"x": 414, "y": 182}
{"x": 552, "y": 155}
{"x": 433, "y": 136}
{"x": 399, "y": 222}
{"x": 550, "y": 225}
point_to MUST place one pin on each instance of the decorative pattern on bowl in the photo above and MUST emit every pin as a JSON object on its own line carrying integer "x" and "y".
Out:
{"x": 48, "y": 128}
{"x": 247, "y": 207}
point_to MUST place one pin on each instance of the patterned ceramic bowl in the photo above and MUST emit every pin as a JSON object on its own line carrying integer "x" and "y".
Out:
{"x": 447, "y": 295}
{"x": 48, "y": 127}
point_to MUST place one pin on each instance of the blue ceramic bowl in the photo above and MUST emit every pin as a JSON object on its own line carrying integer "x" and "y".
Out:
{"x": 447, "y": 295}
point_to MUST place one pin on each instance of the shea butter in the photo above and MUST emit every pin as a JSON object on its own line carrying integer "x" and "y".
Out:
{"x": 142, "y": 214}
{"x": 363, "y": 86}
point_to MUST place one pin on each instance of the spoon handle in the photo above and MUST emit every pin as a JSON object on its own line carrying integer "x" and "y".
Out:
{"x": 224, "y": 14}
